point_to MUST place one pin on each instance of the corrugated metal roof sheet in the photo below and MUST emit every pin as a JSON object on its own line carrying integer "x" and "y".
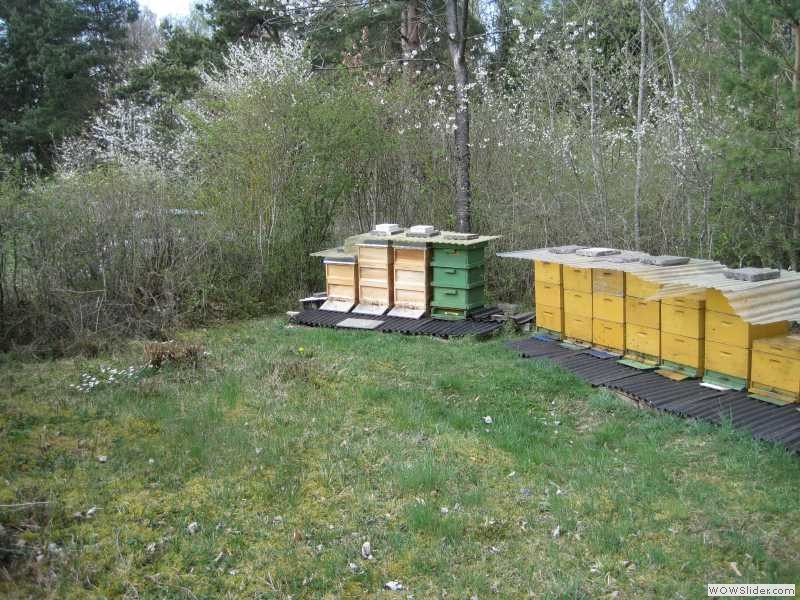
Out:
{"x": 757, "y": 302}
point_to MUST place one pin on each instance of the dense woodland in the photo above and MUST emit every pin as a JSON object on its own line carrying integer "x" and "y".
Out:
{"x": 157, "y": 174}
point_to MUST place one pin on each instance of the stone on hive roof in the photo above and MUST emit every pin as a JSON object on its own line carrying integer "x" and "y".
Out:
{"x": 664, "y": 260}
{"x": 752, "y": 274}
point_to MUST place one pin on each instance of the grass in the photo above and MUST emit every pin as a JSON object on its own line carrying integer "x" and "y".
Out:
{"x": 290, "y": 447}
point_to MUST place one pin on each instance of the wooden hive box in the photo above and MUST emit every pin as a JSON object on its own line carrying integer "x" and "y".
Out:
{"x": 412, "y": 277}
{"x": 729, "y": 340}
{"x": 683, "y": 334}
{"x": 375, "y": 273}
{"x": 458, "y": 275}
{"x": 548, "y": 293}
{"x": 775, "y": 370}
{"x": 642, "y": 321}
{"x": 341, "y": 279}
{"x": 577, "y": 304}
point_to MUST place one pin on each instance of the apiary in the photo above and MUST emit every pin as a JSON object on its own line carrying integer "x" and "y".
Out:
{"x": 775, "y": 370}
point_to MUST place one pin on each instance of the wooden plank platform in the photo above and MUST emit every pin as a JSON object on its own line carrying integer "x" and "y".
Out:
{"x": 478, "y": 325}
{"x": 688, "y": 399}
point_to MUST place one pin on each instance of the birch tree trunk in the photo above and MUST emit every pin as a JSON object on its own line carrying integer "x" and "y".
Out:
{"x": 637, "y": 190}
{"x": 456, "y": 33}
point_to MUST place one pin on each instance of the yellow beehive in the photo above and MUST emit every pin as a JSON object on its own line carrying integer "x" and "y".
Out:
{"x": 412, "y": 277}
{"x": 642, "y": 320}
{"x": 608, "y": 308}
{"x": 548, "y": 272}
{"x": 607, "y": 281}
{"x": 682, "y": 351}
{"x": 548, "y": 296}
{"x": 680, "y": 320}
{"x": 729, "y": 339}
{"x": 608, "y": 334}
{"x": 578, "y": 304}
{"x": 550, "y": 318}
{"x": 775, "y": 369}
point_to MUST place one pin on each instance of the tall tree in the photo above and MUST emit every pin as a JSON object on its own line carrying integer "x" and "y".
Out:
{"x": 56, "y": 56}
{"x": 457, "y": 23}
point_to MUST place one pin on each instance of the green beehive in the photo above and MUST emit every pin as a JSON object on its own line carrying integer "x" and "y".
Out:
{"x": 459, "y": 275}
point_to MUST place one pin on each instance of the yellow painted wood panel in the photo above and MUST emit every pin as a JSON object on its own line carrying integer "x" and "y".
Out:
{"x": 607, "y": 281}
{"x": 577, "y": 279}
{"x": 730, "y": 329}
{"x": 578, "y": 327}
{"x": 550, "y": 317}
{"x": 775, "y": 371}
{"x": 716, "y": 301}
{"x": 727, "y": 359}
{"x": 608, "y": 334}
{"x": 608, "y": 308}
{"x": 646, "y": 340}
{"x": 638, "y": 287}
{"x": 548, "y": 272}
{"x": 578, "y": 303}
{"x": 646, "y": 313}
{"x": 691, "y": 301}
{"x": 682, "y": 349}
{"x": 548, "y": 294}
{"x": 689, "y": 322}
{"x": 782, "y": 345}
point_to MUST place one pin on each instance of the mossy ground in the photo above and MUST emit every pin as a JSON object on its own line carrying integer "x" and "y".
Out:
{"x": 290, "y": 447}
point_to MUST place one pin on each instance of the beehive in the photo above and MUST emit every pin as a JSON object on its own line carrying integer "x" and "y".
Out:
{"x": 729, "y": 340}
{"x": 375, "y": 275}
{"x": 411, "y": 266}
{"x": 608, "y": 309}
{"x": 683, "y": 334}
{"x": 642, "y": 321}
{"x": 775, "y": 369}
{"x": 459, "y": 279}
{"x": 548, "y": 291}
{"x": 577, "y": 304}
{"x": 341, "y": 280}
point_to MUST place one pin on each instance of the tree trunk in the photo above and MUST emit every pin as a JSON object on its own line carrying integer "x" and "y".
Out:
{"x": 456, "y": 33}
{"x": 637, "y": 190}
{"x": 409, "y": 37}
{"x": 796, "y": 89}
{"x": 597, "y": 169}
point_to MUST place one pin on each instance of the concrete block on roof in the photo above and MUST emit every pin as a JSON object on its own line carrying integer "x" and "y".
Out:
{"x": 664, "y": 260}
{"x": 387, "y": 228}
{"x": 460, "y": 236}
{"x": 565, "y": 249}
{"x": 597, "y": 252}
{"x": 752, "y": 274}
{"x": 422, "y": 231}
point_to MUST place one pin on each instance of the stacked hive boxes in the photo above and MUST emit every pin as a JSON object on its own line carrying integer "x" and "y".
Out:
{"x": 775, "y": 373}
{"x": 411, "y": 276}
{"x": 642, "y": 321}
{"x": 549, "y": 298}
{"x": 458, "y": 278}
{"x": 341, "y": 277}
{"x": 683, "y": 334}
{"x": 608, "y": 309}
{"x": 729, "y": 340}
{"x": 577, "y": 304}
{"x": 375, "y": 274}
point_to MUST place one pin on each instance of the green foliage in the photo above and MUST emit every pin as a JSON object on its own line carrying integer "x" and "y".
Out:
{"x": 55, "y": 57}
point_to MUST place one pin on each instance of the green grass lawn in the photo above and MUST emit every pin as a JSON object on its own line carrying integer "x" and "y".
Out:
{"x": 290, "y": 447}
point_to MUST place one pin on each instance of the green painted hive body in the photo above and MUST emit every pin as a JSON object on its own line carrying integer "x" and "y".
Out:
{"x": 459, "y": 279}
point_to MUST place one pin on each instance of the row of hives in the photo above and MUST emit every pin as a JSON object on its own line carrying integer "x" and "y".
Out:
{"x": 696, "y": 334}
{"x": 408, "y": 273}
